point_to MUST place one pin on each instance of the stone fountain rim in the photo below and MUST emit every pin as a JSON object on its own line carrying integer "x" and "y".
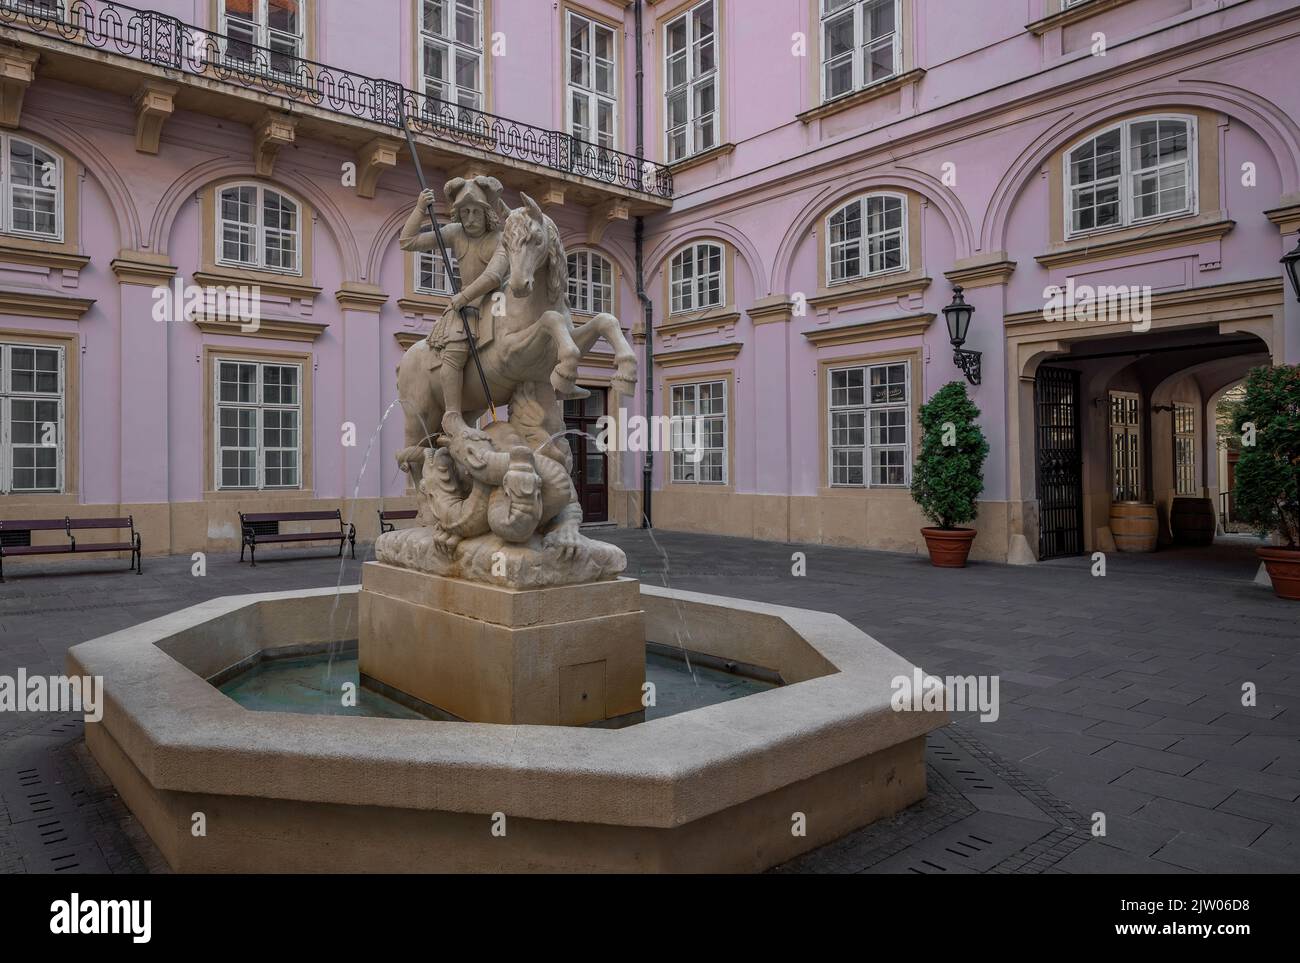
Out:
{"x": 661, "y": 773}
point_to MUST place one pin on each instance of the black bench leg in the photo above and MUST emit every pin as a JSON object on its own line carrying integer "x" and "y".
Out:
{"x": 242, "y": 543}
{"x": 352, "y": 541}
{"x": 252, "y": 554}
{"x": 139, "y": 556}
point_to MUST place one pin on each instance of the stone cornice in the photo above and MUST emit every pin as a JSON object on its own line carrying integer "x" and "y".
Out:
{"x": 279, "y": 329}
{"x": 361, "y": 297}
{"x": 771, "y": 310}
{"x": 871, "y": 290}
{"x": 1287, "y": 217}
{"x": 42, "y": 304}
{"x": 1097, "y": 247}
{"x": 981, "y": 273}
{"x": 1249, "y": 297}
{"x": 143, "y": 267}
{"x": 407, "y": 338}
{"x": 705, "y": 355}
{"x": 904, "y": 327}
{"x": 862, "y": 96}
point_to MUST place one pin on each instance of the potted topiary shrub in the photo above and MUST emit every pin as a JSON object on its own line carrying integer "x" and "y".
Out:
{"x": 1267, "y": 497}
{"x": 949, "y": 474}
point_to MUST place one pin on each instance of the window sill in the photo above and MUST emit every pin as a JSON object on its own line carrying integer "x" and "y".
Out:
{"x": 882, "y": 286}
{"x": 719, "y": 488}
{"x": 421, "y": 305}
{"x": 284, "y": 285}
{"x": 849, "y": 101}
{"x": 35, "y": 303}
{"x": 1063, "y": 18}
{"x": 236, "y": 494}
{"x": 41, "y": 253}
{"x": 715, "y": 318}
{"x": 700, "y": 159}
{"x": 1174, "y": 233}
{"x": 839, "y": 491}
{"x": 279, "y": 329}
{"x": 906, "y": 327}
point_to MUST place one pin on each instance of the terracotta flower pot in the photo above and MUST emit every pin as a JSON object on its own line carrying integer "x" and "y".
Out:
{"x": 1283, "y": 566}
{"x": 948, "y": 546}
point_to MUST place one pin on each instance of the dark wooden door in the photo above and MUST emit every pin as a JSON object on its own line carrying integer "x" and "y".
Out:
{"x": 589, "y": 462}
{"x": 1060, "y": 462}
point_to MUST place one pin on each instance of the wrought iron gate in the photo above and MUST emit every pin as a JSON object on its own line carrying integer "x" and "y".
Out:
{"x": 1060, "y": 462}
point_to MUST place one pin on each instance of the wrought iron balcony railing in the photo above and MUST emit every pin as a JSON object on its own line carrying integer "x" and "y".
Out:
{"x": 164, "y": 41}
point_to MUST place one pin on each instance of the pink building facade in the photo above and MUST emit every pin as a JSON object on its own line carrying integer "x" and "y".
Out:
{"x": 818, "y": 175}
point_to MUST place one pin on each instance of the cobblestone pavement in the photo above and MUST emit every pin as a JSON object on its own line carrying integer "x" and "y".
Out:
{"x": 1119, "y": 695}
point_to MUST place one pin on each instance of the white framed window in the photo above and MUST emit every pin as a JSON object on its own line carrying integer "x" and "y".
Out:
{"x": 1185, "y": 450}
{"x": 32, "y": 190}
{"x": 592, "y": 102}
{"x": 258, "y": 412}
{"x": 278, "y": 27}
{"x": 258, "y": 227}
{"x": 861, "y": 44}
{"x": 591, "y": 282}
{"x": 31, "y": 418}
{"x": 431, "y": 273}
{"x": 867, "y": 236}
{"x": 870, "y": 425}
{"x": 691, "y": 82}
{"x": 696, "y": 278}
{"x": 1067, "y": 4}
{"x": 1126, "y": 446}
{"x": 47, "y": 9}
{"x": 1137, "y": 171}
{"x": 451, "y": 51}
{"x": 699, "y": 433}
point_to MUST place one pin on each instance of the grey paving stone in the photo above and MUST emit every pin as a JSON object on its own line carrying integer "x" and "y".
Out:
{"x": 1156, "y": 759}
{"x": 1095, "y": 857}
{"x": 1205, "y": 822}
{"x": 1174, "y": 787}
{"x": 1263, "y": 808}
{"x": 1203, "y": 855}
{"x": 1274, "y": 785}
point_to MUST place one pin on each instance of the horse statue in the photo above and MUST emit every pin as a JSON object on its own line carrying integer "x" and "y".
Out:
{"x": 498, "y": 504}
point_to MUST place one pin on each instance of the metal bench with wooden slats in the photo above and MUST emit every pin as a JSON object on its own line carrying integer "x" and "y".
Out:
{"x": 263, "y": 528}
{"x": 16, "y": 538}
{"x": 386, "y": 519}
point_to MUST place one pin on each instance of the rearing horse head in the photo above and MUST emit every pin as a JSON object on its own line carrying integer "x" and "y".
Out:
{"x": 532, "y": 240}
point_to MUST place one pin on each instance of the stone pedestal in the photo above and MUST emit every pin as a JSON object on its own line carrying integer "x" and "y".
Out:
{"x": 571, "y": 655}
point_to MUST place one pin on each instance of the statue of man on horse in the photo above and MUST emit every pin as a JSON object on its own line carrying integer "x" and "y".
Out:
{"x": 526, "y": 351}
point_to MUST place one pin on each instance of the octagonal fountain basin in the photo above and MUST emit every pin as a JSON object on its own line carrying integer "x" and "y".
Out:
{"x": 754, "y": 777}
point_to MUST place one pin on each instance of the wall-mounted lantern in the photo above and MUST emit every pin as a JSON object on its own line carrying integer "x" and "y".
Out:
{"x": 958, "y": 315}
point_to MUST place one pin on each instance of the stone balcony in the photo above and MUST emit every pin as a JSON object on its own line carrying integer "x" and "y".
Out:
{"x": 164, "y": 65}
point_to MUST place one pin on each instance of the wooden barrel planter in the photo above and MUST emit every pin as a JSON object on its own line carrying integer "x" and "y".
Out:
{"x": 1192, "y": 520}
{"x": 1134, "y": 526}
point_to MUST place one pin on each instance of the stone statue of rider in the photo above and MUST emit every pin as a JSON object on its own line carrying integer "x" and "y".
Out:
{"x": 474, "y": 240}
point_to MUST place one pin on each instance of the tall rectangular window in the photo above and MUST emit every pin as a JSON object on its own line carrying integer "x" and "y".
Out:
{"x": 699, "y": 433}
{"x": 861, "y": 44}
{"x": 451, "y": 52}
{"x": 1126, "y": 446}
{"x": 1185, "y": 450}
{"x": 691, "y": 82}
{"x": 431, "y": 274}
{"x": 269, "y": 34}
{"x": 696, "y": 279}
{"x": 31, "y": 418}
{"x": 1137, "y": 171}
{"x": 259, "y": 424}
{"x": 32, "y": 189}
{"x": 593, "y": 81}
{"x": 870, "y": 425}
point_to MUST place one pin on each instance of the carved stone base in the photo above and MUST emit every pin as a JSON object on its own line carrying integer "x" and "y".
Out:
{"x": 572, "y": 655}
{"x": 537, "y": 563}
